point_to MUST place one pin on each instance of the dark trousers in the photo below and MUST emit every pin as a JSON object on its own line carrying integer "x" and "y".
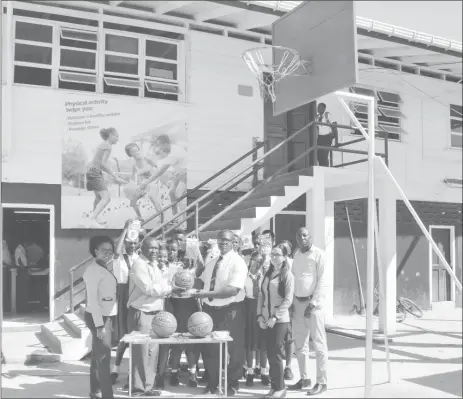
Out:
{"x": 145, "y": 356}
{"x": 275, "y": 339}
{"x": 100, "y": 366}
{"x": 323, "y": 155}
{"x": 230, "y": 318}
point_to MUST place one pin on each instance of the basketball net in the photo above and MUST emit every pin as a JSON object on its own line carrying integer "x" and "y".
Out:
{"x": 271, "y": 64}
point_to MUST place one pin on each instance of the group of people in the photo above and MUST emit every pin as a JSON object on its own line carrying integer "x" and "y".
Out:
{"x": 271, "y": 304}
{"x": 147, "y": 177}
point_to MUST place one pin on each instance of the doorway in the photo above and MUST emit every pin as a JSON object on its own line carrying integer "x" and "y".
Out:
{"x": 28, "y": 274}
{"x": 442, "y": 286}
{"x": 285, "y": 225}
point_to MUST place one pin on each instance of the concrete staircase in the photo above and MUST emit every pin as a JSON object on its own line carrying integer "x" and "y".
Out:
{"x": 262, "y": 205}
{"x": 68, "y": 337}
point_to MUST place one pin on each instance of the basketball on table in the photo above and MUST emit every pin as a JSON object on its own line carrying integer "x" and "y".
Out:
{"x": 184, "y": 279}
{"x": 164, "y": 324}
{"x": 200, "y": 324}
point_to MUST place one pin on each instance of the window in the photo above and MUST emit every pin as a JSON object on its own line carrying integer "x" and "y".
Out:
{"x": 387, "y": 113}
{"x": 71, "y": 56}
{"x": 33, "y": 53}
{"x": 456, "y": 119}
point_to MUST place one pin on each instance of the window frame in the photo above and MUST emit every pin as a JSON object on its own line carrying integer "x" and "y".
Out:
{"x": 452, "y": 133}
{"x": 382, "y": 107}
{"x": 58, "y": 31}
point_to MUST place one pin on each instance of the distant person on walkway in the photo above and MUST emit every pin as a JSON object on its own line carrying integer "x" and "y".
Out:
{"x": 224, "y": 281}
{"x": 101, "y": 286}
{"x": 125, "y": 256}
{"x": 309, "y": 312}
{"x": 325, "y": 135}
{"x": 147, "y": 290}
{"x": 276, "y": 296}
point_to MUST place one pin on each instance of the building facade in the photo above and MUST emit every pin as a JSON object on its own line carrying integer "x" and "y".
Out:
{"x": 55, "y": 63}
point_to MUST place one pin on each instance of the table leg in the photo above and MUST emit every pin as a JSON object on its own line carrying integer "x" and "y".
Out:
{"x": 130, "y": 369}
{"x": 226, "y": 368}
{"x": 220, "y": 369}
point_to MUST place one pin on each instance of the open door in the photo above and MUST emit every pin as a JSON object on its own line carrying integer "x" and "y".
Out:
{"x": 28, "y": 274}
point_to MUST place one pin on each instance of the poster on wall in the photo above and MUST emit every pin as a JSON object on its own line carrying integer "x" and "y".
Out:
{"x": 121, "y": 159}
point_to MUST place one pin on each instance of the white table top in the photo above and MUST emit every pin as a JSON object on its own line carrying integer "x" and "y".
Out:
{"x": 136, "y": 337}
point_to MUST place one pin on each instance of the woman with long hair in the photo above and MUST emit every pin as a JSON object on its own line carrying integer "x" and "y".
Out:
{"x": 276, "y": 297}
{"x": 101, "y": 286}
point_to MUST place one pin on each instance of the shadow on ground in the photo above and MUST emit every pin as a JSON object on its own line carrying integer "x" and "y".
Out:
{"x": 447, "y": 382}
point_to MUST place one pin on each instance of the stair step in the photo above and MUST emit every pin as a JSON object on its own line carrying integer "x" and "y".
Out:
{"x": 239, "y": 214}
{"x": 253, "y": 203}
{"x": 67, "y": 337}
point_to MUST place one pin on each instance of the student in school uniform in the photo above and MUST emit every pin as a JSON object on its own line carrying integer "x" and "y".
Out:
{"x": 101, "y": 286}
{"x": 252, "y": 288}
{"x": 126, "y": 254}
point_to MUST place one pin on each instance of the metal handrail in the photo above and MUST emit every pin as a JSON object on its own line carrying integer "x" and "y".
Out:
{"x": 253, "y": 164}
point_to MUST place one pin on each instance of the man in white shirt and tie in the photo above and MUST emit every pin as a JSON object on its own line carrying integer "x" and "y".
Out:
{"x": 308, "y": 315}
{"x": 224, "y": 280}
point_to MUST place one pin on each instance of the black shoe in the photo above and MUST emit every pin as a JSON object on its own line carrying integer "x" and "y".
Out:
{"x": 301, "y": 384}
{"x": 250, "y": 380}
{"x": 192, "y": 380}
{"x": 288, "y": 373}
{"x": 114, "y": 376}
{"x": 159, "y": 381}
{"x": 205, "y": 377}
{"x": 317, "y": 389}
{"x": 174, "y": 379}
{"x": 208, "y": 390}
{"x": 153, "y": 392}
{"x": 265, "y": 379}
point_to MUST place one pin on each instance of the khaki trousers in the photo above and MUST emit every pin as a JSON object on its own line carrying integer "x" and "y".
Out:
{"x": 303, "y": 330}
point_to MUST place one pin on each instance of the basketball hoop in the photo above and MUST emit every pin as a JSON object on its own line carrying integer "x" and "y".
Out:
{"x": 273, "y": 63}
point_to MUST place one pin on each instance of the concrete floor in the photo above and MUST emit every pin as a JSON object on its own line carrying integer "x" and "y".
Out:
{"x": 426, "y": 361}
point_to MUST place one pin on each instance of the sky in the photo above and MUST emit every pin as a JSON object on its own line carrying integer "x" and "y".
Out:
{"x": 439, "y": 18}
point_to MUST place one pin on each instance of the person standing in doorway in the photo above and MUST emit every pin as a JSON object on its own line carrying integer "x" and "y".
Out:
{"x": 325, "y": 135}
{"x": 101, "y": 287}
{"x": 224, "y": 282}
{"x": 308, "y": 317}
{"x": 147, "y": 290}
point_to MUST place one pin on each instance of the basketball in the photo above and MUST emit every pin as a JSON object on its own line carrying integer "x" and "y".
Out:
{"x": 184, "y": 279}
{"x": 164, "y": 324}
{"x": 200, "y": 324}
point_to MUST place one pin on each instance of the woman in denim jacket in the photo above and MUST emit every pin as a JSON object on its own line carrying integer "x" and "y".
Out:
{"x": 276, "y": 297}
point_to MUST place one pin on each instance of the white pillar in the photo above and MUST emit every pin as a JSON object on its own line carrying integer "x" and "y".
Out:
{"x": 320, "y": 222}
{"x": 388, "y": 253}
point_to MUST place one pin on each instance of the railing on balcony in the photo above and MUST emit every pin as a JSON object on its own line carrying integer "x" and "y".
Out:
{"x": 249, "y": 171}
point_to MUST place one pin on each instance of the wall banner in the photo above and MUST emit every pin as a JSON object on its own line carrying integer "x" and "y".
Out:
{"x": 121, "y": 158}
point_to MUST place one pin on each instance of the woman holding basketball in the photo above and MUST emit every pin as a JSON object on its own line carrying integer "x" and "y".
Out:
{"x": 276, "y": 296}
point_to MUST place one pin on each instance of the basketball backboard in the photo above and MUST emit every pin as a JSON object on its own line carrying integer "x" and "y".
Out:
{"x": 324, "y": 33}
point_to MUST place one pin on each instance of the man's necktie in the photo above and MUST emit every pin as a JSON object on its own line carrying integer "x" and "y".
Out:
{"x": 214, "y": 275}
{"x": 255, "y": 287}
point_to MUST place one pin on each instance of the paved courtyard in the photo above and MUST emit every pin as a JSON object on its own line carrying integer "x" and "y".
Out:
{"x": 426, "y": 361}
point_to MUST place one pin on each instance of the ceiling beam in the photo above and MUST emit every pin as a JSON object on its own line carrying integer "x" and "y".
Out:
{"x": 220, "y": 11}
{"x": 168, "y": 6}
{"x": 253, "y": 20}
{"x": 402, "y": 51}
{"x": 431, "y": 59}
{"x": 115, "y": 3}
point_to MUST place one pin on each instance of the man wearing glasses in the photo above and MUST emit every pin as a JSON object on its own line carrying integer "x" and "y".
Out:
{"x": 224, "y": 280}
{"x": 308, "y": 317}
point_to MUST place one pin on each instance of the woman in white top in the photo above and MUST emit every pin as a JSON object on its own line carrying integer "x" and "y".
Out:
{"x": 101, "y": 285}
{"x": 126, "y": 254}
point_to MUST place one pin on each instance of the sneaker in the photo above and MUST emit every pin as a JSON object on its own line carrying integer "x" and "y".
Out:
{"x": 265, "y": 379}
{"x": 192, "y": 379}
{"x": 288, "y": 373}
{"x": 174, "y": 379}
{"x": 159, "y": 381}
{"x": 250, "y": 380}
